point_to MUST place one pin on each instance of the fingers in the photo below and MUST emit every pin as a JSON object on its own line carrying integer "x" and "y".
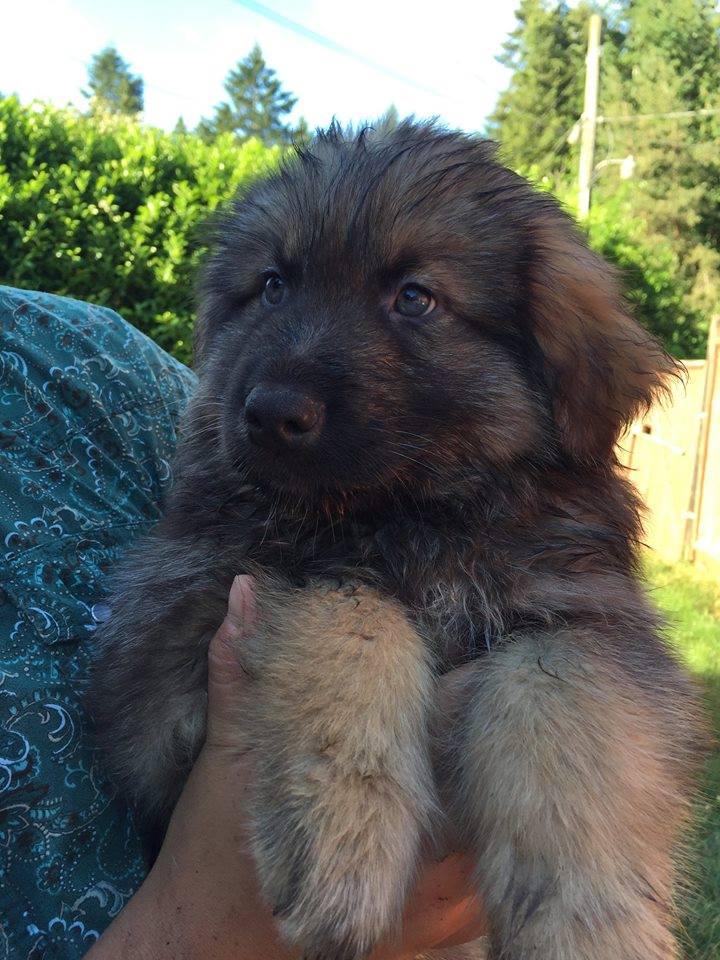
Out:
{"x": 239, "y": 618}
{"x": 227, "y": 677}
{"x": 442, "y": 912}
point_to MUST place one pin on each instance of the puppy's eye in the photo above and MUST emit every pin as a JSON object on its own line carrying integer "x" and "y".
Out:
{"x": 414, "y": 301}
{"x": 274, "y": 290}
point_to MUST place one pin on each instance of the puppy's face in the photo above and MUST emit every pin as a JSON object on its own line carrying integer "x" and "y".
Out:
{"x": 399, "y": 312}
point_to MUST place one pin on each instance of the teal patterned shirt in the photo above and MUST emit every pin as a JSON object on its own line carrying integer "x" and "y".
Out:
{"x": 88, "y": 418}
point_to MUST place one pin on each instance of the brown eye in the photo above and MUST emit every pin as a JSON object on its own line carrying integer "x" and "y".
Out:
{"x": 414, "y": 301}
{"x": 274, "y": 290}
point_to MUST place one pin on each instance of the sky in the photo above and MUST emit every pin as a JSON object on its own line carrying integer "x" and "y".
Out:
{"x": 428, "y": 59}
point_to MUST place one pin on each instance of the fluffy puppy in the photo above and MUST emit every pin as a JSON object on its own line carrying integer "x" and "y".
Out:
{"x": 413, "y": 373}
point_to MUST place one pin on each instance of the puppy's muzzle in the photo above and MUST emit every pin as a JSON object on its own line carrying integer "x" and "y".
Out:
{"x": 283, "y": 417}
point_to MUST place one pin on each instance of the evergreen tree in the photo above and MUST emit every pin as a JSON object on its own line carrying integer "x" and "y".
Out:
{"x": 546, "y": 52}
{"x": 669, "y": 62}
{"x": 302, "y": 134}
{"x": 657, "y": 58}
{"x": 257, "y": 105}
{"x": 388, "y": 120}
{"x": 112, "y": 87}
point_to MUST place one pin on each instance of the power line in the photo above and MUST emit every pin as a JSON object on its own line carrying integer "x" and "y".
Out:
{"x": 336, "y": 47}
{"x": 673, "y": 115}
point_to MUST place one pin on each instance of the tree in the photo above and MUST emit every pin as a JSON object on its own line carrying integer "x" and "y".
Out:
{"x": 257, "y": 105}
{"x": 388, "y": 120}
{"x": 669, "y": 62}
{"x": 112, "y": 87}
{"x": 657, "y": 58}
{"x": 144, "y": 219}
{"x": 546, "y": 53}
{"x": 302, "y": 134}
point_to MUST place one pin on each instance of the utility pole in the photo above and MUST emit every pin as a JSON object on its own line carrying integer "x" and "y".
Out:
{"x": 588, "y": 121}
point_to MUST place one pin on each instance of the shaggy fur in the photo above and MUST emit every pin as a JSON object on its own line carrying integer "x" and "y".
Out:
{"x": 464, "y": 499}
{"x": 344, "y": 785}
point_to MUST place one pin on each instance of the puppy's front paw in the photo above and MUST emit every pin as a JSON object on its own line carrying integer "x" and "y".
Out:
{"x": 337, "y": 863}
{"x": 338, "y": 903}
{"x": 344, "y": 792}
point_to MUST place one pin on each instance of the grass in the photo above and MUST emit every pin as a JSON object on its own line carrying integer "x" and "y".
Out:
{"x": 691, "y": 601}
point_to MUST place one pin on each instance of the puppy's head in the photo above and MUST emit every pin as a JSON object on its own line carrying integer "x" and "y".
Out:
{"x": 397, "y": 311}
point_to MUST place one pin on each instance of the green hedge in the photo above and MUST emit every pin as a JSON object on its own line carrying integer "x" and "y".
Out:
{"x": 108, "y": 211}
{"x": 653, "y": 278}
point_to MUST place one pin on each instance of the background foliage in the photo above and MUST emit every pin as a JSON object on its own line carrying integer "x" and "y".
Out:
{"x": 662, "y": 226}
{"x": 105, "y": 210}
{"x": 688, "y": 597}
{"x": 257, "y": 106}
{"x": 112, "y": 88}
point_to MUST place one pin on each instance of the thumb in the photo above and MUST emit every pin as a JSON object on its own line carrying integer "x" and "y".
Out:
{"x": 227, "y": 677}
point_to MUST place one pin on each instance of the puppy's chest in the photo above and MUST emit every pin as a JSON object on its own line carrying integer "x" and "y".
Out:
{"x": 454, "y": 590}
{"x": 460, "y": 619}
{"x": 453, "y": 585}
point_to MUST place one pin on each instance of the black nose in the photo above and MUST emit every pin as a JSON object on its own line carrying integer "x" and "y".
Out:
{"x": 283, "y": 416}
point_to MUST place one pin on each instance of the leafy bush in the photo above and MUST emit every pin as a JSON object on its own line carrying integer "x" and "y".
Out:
{"x": 108, "y": 211}
{"x": 652, "y": 278}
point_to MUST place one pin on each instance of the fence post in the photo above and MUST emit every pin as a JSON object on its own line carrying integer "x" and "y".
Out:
{"x": 697, "y": 486}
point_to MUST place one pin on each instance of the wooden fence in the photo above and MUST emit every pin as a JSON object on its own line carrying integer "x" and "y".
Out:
{"x": 673, "y": 457}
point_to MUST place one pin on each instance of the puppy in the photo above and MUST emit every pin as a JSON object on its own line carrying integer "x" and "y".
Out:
{"x": 413, "y": 373}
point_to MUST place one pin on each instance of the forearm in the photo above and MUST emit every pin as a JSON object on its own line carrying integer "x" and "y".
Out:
{"x": 154, "y": 926}
{"x": 201, "y": 898}
{"x": 145, "y": 930}
{"x": 151, "y": 928}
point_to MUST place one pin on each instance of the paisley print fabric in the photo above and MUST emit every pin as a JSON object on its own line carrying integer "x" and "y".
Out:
{"x": 88, "y": 417}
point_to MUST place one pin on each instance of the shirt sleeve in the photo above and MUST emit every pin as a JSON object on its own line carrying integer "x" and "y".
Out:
{"x": 89, "y": 409}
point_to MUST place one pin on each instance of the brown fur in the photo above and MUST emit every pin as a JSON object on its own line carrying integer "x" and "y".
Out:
{"x": 607, "y": 369}
{"x": 599, "y": 798}
{"x": 464, "y": 485}
{"x": 343, "y": 792}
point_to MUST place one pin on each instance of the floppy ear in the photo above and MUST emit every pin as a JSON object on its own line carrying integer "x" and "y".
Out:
{"x": 603, "y": 368}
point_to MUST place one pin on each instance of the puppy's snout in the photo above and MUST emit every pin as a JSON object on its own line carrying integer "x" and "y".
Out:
{"x": 281, "y": 416}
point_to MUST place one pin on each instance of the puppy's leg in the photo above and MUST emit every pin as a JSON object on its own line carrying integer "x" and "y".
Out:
{"x": 572, "y": 790}
{"x": 148, "y": 688}
{"x": 338, "y": 724}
